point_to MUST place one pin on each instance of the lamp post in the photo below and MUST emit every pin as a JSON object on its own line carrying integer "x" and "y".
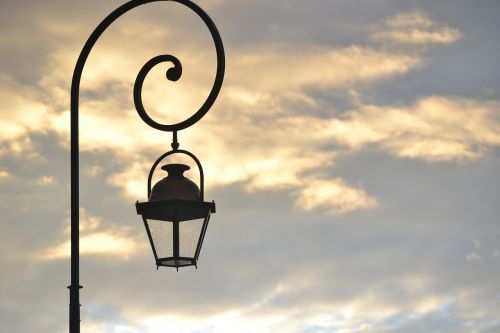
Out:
{"x": 175, "y": 203}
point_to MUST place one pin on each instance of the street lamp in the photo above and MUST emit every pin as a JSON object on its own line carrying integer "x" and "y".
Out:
{"x": 175, "y": 215}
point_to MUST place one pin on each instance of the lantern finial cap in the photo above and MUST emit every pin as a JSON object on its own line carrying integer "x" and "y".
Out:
{"x": 175, "y": 169}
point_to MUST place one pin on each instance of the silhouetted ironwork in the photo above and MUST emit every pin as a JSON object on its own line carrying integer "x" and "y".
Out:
{"x": 173, "y": 74}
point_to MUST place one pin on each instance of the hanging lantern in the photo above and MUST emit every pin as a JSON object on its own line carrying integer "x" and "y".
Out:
{"x": 176, "y": 217}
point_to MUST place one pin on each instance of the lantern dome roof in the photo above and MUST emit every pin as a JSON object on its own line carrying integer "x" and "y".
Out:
{"x": 175, "y": 185}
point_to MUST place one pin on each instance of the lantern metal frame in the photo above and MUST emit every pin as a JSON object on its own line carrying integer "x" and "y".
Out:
{"x": 168, "y": 211}
{"x": 173, "y": 74}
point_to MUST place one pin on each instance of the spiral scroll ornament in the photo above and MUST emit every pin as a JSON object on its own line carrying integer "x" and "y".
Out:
{"x": 174, "y": 74}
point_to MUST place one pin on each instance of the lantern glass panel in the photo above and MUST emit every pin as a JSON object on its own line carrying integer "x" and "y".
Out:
{"x": 189, "y": 234}
{"x": 176, "y": 244}
{"x": 162, "y": 234}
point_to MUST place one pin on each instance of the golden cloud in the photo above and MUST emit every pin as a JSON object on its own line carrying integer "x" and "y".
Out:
{"x": 291, "y": 68}
{"x": 263, "y": 315}
{"x": 95, "y": 239}
{"x": 250, "y": 137}
{"x": 434, "y": 128}
{"x": 334, "y": 195}
{"x": 21, "y": 115}
{"x": 415, "y": 28}
{"x": 45, "y": 180}
{"x": 4, "y": 175}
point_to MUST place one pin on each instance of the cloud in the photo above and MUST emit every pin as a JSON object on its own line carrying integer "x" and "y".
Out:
{"x": 276, "y": 126}
{"x": 95, "y": 240}
{"x": 45, "y": 180}
{"x": 265, "y": 106}
{"x": 291, "y": 68}
{"x": 276, "y": 151}
{"x": 224, "y": 322}
{"x": 473, "y": 257}
{"x": 368, "y": 312}
{"x": 334, "y": 195}
{"x": 477, "y": 243}
{"x": 433, "y": 129}
{"x": 4, "y": 175}
{"x": 99, "y": 243}
{"x": 21, "y": 113}
{"x": 415, "y": 28}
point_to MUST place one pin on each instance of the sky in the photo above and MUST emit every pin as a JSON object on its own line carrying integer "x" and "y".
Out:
{"x": 353, "y": 155}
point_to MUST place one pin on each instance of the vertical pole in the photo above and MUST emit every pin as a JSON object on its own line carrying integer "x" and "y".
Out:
{"x": 74, "y": 288}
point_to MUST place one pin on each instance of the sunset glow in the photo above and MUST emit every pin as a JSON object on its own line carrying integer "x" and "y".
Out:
{"x": 353, "y": 154}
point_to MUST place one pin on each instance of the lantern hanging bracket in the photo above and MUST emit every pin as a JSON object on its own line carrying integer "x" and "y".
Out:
{"x": 175, "y": 143}
{"x": 178, "y": 151}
